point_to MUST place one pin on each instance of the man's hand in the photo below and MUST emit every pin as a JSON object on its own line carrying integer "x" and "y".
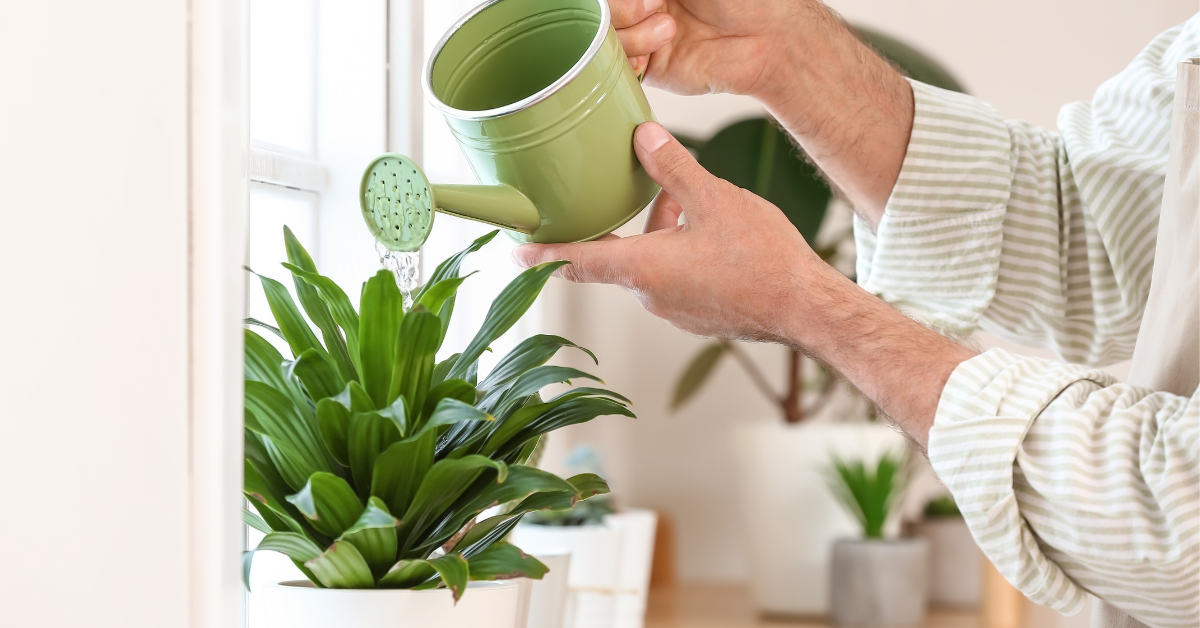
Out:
{"x": 849, "y": 109}
{"x": 738, "y": 269}
{"x": 722, "y": 273}
{"x": 708, "y": 46}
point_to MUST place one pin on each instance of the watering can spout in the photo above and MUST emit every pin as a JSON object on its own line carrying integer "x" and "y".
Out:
{"x": 499, "y": 204}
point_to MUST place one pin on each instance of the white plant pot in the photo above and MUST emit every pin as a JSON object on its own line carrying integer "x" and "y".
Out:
{"x": 956, "y": 562}
{"x": 545, "y": 600}
{"x": 791, "y": 517}
{"x": 299, "y": 604}
{"x": 609, "y": 577}
{"x": 879, "y": 583}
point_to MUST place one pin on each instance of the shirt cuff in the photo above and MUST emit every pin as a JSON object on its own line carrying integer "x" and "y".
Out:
{"x": 985, "y": 412}
{"x": 936, "y": 254}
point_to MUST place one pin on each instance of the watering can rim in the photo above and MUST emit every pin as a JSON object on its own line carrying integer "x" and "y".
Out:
{"x": 524, "y": 103}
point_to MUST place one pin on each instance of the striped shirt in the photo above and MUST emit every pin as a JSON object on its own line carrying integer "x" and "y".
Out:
{"x": 1070, "y": 481}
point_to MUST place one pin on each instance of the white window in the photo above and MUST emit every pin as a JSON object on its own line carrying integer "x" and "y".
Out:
{"x": 330, "y": 88}
{"x": 332, "y": 85}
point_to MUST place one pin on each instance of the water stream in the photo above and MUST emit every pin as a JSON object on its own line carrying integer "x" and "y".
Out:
{"x": 404, "y": 266}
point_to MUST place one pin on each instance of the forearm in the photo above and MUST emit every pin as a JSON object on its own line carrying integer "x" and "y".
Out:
{"x": 848, "y": 108}
{"x": 895, "y": 361}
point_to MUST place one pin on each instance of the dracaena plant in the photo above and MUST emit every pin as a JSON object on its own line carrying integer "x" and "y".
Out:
{"x": 368, "y": 463}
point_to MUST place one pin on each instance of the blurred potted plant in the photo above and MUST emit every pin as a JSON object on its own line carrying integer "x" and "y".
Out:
{"x": 367, "y": 463}
{"x": 876, "y": 581}
{"x": 956, "y": 562}
{"x": 611, "y": 553}
{"x": 790, "y": 515}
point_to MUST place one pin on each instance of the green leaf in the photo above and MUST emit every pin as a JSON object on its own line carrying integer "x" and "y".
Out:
{"x": 263, "y": 363}
{"x": 503, "y": 561}
{"x": 442, "y": 369}
{"x": 374, "y": 535}
{"x": 318, "y": 374}
{"x": 506, "y": 310}
{"x": 333, "y": 421}
{"x": 407, "y": 574}
{"x": 454, "y": 571}
{"x": 456, "y": 389}
{"x": 267, "y": 489}
{"x": 697, "y": 373}
{"x": 400, "y": 470}
{"x": 483, "y": 534}
{"x": 316, "y": 308}
{"x": 271, "y": 328}
{"x": 286, "y": 427}
{"x": 452, "y": 411}
{"x": 535, "y": 420}
{"x": 342, "y": 567}
{"x": 436, "y": 295}
{"x": 329, "y": 503}
{"x": 531, "y": 352}
{"x": 499, "y": 400}
{"x": 588, "y": 485}
{"x": 416, "y": 345}
{"x": 445, "y": 482}
{"x": 370, "y": 435}
{"x": 290, "y": 544}
{"x": 291, "y": 323}
{"x": 449, "y": 267}
{"x": 521, "y": 482}
{"x": 382, "y": 310}
{"x": 339, "y": 307}
{"x": 255, "y": 521}
{"x": 586, "y": 391}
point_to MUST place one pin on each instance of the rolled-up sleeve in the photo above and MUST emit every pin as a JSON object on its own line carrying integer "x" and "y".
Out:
{"x": 1071, "y": 481}
{"x": 1042, "y": 237}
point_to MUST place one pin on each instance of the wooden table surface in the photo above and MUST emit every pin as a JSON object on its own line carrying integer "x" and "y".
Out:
{"x": 727, "y": 606}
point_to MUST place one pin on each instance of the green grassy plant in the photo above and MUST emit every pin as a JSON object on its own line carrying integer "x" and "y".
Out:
{"x": 869, "y": 494}
{"x": 368, "y": 463}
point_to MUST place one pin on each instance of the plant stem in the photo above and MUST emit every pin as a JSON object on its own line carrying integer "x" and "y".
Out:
{"x": 752, "y": 370}
{"x": 793, "y": 408}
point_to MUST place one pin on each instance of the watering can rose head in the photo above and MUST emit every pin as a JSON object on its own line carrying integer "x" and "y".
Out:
{"x": 368, "y": 462}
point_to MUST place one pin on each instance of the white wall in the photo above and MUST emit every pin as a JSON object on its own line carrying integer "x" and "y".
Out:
{"x": 94, "y": 246}
{"x": 1027, "y": 57}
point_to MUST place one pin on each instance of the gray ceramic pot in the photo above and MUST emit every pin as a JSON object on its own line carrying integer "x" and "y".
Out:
{"x": 879, "y": 583}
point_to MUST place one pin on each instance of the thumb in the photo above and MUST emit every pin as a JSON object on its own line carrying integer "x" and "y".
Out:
{"x": 673, "y": 167}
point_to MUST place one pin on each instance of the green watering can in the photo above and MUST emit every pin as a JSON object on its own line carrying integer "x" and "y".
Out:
{"x": 541, "y": 99}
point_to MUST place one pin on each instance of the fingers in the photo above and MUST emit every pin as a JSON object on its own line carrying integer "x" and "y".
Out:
{"x": 648, "y": 35}
{"x": 664, "y": 213}
{"x": 601, "y": 261}
{"x": 674, "y": 168}
{"x": 626, "y": 13}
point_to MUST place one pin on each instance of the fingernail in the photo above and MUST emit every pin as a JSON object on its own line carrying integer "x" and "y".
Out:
{"x": 652, "y": 5}
{"x": 665, "y": 30}
{"x": 651, "y": 136}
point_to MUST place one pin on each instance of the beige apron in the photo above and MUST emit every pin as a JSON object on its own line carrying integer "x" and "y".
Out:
{"x": 1167, "y": 355}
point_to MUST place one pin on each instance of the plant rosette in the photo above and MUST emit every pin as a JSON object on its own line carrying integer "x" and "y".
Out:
{"x": 368, "y": 463}
{"x": 609, "y": 576}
